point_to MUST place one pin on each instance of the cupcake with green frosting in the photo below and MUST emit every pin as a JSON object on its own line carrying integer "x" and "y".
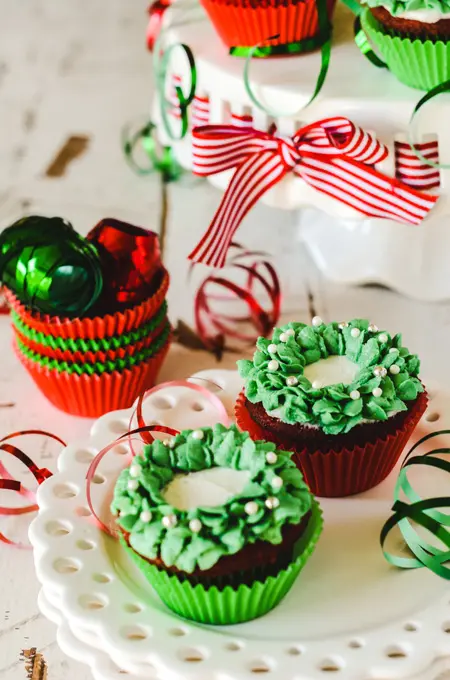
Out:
{"x": 344, "y": 397}
{"x": 413, "y": 38}
{"x": 220, "y": 525}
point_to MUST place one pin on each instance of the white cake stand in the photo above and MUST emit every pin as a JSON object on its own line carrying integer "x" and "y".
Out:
{"x": 346, "y": 247}
{"x": 349, "y": 612}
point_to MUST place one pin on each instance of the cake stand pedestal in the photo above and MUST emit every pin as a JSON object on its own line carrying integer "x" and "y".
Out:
{"x": 347, "y": 247}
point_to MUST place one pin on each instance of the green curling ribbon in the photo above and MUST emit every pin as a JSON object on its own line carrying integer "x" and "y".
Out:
{"x": 323, "y": 38}
{"x": 162, "y": 160}
{"x": 425, "y": 513}
{"x": 364, "y": 45}
{"x": 98, "y": 367}
{"x": 434, "y": 92}
{"x": 49, "y": 266}
{"x": 161, "y": 60}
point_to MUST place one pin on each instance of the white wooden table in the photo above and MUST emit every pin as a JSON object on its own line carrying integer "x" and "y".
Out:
{"x": 81, "y": 69}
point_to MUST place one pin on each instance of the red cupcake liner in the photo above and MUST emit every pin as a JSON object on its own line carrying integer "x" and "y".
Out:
{"x": 91, "y": 357}
{"x": 92, "y": 396}
{"x": 97, "y": 327}
{"x": 247, "y": 24}
{"x": 344, "y": 472}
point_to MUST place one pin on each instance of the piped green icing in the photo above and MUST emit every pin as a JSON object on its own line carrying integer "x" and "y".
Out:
{"x": 396, "y": 7}
{"x": 331, "y": 408}
{"x": 225, "y": 529}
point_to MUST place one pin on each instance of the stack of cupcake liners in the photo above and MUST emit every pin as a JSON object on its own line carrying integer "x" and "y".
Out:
{"x": 89, "y": 366}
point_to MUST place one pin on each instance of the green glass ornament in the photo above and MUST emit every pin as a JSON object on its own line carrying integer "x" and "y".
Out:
{"x": 50, "y": 267}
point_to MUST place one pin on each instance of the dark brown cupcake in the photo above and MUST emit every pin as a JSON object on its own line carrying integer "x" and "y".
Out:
{"x": 440, "y": 30}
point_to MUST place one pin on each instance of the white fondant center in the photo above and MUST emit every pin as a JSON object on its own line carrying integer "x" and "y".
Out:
{"x": 205, "y": 488}
{"x": 426, "y": 16}
{"x": 332, "y": 371}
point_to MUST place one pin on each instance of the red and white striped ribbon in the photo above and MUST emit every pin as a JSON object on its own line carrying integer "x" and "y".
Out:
{"x": 412, "y": 170}
{"x": 175, "y": 110}
{"x": 241, "y": 120}
{"x": 200, "y": 111}
{"x": 333, "y": 156}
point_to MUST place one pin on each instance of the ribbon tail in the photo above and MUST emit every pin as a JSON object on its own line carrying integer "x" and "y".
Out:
{"x": 365, "y": 189}
{"x": 250, "y": 181}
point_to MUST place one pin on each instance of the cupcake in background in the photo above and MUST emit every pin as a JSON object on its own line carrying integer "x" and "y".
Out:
{"x": 89, "y": 315}
{"x": 243, "y": 24}
{"x": 345, "y": 398}
{"x": 412, "y": 37}
{"x": 220, "y": 525}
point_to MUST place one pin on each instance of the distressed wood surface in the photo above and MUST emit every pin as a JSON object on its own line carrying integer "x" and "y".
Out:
{"x": 71, "y": 75}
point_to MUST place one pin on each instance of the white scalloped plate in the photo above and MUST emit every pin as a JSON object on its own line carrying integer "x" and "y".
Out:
{"x": 349, "y": 612}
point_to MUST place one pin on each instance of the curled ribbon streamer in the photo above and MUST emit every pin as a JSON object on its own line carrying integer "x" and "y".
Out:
{"x": 161, "y": 60}
{"x": 425, "y": 513}
{"x": 207, "y": 319}
{"x": 323, "y": 39}
{"x": 332, "y": 155}
{"x": 10, "y": 484}
{"x": 156, "y": 13}
{"x": 434, "y": 92}
{"x": 162, "y": 161}
{"x": 144, "y": 429}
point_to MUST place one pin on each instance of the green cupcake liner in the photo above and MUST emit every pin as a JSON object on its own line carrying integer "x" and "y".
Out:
{"x": 82, "y": 345}
{"x": 419, "y": 64}
{"x": 230, "y": 605}
{"x": 97, "y": 367}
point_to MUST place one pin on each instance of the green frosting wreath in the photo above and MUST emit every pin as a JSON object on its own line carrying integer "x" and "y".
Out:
{"x": 385, "y": 381}
{"x": 396, "y": 7}
{"x": 274, "y": 495}
{"x": 98, "y": 368}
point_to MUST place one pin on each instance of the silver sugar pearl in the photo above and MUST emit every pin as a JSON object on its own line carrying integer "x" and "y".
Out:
{"x": 251, "y": 508}
{"x": 377, "y": 392}
{"x": 145, "y": 516}
{"x": 195, "y": 526}
{"x": 272, "y": 502}
{"x": 394, "y": 369}
{"x": 355, "y": 332}
{"x": 272, "y": 348}
{"x": 373, "y": 328}
{"x": 317, "y": 321}
{"x": 198, "y": 434}
{"x": 284, "y": 337}
{"x": 273, "y": 365}
{"x": 271, "y": 457}
{"x": 135, "y": 470}
{"x": 277, "y": 483}
{"x": 383, "y": 337}
{"x": 169, "y": 521}
{"x": 132, "y": 484}
{"x": 354, "y": 394}
{"x": 291, "y": 381}
{"x": 342, "y": 325}
{"x": 380, "y": 372}
{"x": 290, "y": 331}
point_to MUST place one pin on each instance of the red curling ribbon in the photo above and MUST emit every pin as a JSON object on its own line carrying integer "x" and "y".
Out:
{"x": 131, "y": 257}
{"x": 156, "y": 13}
{"x": 212, "y": 320}
{"x": 332, "y": 155}
{"x": 9, "y": 484}
{"x": 145, "y": 436}
{"x": 4, "y": 307}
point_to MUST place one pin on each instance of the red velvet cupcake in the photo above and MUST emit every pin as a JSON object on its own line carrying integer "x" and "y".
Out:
{"x": 344, "y": 397}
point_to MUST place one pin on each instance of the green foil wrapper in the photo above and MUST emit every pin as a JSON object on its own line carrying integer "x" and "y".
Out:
{"x": 230, "y": 605}
{"x": 419, "y": 64}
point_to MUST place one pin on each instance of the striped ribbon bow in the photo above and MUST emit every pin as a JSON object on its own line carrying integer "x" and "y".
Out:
{"x": 333, "y": 156}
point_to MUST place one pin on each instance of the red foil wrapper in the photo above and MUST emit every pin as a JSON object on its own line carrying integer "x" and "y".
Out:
{"x": 131, "y": 258}
{"x": 92, "y": 396}
{"x": 91, "y": 357}
{"x": 240, "y": 23}
{"x": 345, "y": 472}
{"x": 99, "y": 326}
